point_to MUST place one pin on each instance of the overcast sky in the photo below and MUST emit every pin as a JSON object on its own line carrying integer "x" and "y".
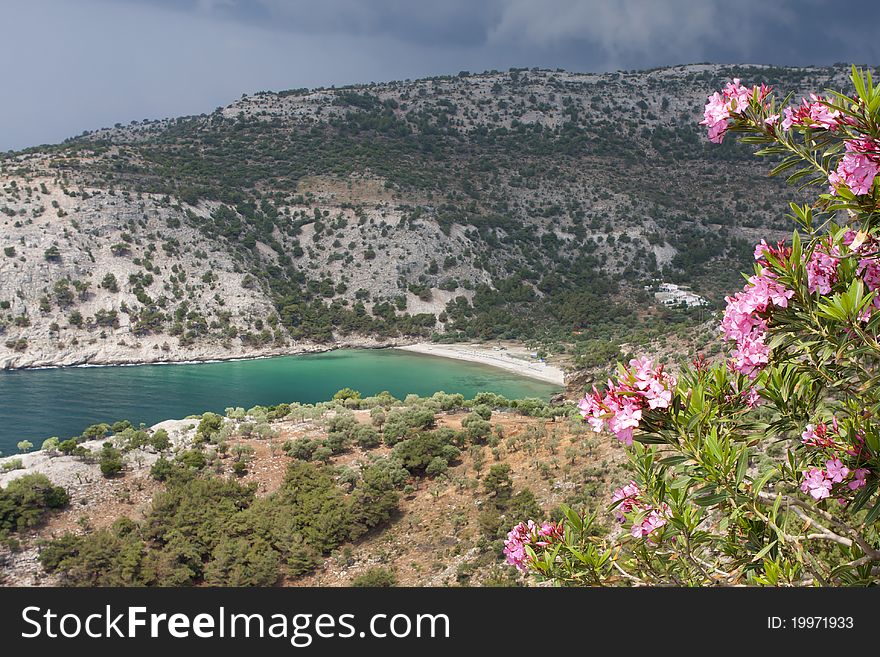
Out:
{"x": 74, "y": 65}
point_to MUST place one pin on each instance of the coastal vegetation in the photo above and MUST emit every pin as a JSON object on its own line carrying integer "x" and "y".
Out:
{"x": 349, "y": 466}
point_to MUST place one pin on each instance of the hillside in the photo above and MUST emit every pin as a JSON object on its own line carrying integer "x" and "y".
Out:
{"x": 424, "y": 489}
{"x": 527, "y": 204}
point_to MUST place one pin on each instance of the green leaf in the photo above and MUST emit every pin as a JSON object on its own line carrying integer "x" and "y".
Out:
{"x": 873, "y": 513}
{"x": 742, "y": 465}
{"x": 763, "y": 552}
{"x": 758, "y": 486}
{"x": 711, "y": 500}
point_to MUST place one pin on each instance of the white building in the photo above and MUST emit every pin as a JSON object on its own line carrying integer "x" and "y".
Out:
{"x": 670, "y": 294}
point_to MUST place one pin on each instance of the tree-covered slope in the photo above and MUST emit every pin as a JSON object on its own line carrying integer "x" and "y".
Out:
{"x": 528, "y": 204}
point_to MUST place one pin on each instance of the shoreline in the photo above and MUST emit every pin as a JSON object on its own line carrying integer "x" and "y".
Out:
{"x": 456, "y": 351}
{"x": 500, "y": 359}
{"x": 207, "y": 355}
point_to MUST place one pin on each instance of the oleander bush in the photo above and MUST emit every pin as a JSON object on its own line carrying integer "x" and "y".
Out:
{"x": 760, "y": 468}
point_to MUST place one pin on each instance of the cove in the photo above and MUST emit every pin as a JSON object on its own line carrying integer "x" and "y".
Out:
{"x": 36, "y": 404}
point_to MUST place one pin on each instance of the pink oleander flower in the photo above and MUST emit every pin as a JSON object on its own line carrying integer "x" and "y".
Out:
{"x": 515, "y": 545}
{"x": 753, "y": 399}
{"x": 655, "y": 385}
{"x": 591, "y": 408}
{"x": 788, "y": 118}
{"x": 868, "y": 268}
{"x": 548, "y": 533}
{"x": 715, "y": 117}
{"x": 640, "y": 386}
{"x": 742, "y": 322}
{"x": 856, "y": 169}
{"x": 733, "y": 99}
{"x": 836, "y": 471}
{"x": 626, "y": 417}
{"x": 772, "y": 119}
{"x": 812, "y": 114}
{"x": 858, "y": 480}
{"x": 750, "y": 356}
{"x": 656, "y": 519}
{"x": 816, "y": 484}
{"x": 739, "y": 320}
{"x": 766, "y": 292}
{"x": 817, "y": 436}
{"x": 762, "y": 249}
{"x": 822, "y": 269}
{"x": 737, "y": 96}
{"x": 628, "y": 496}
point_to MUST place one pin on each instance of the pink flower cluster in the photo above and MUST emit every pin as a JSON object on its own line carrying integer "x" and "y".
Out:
{"x": 529, "y": 534}
{"x": 733, "y": 99}
{"x": 743, "y": 323}
{"x": 652, "y": 522}
{"x": 814, "y": 113}
{"x": 857, "y": 168}
{"x": 869, "y": 264}
{"x": 515, "y": 545}
{"x": 822, "y": 268}
{"x": 818, "y": 482}
{"x": 629, "y": 498}
{"x": 642, "y": 386}
{"x": 818, "y": 436}
{"x": 823, "y": 264}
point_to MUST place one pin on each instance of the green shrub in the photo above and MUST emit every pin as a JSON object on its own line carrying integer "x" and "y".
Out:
{"x": 242, "y": 562}
{"x": 71, "y": 447}
{"x": 209, "y": 426}
{"x": 491, "y": 400}
{"x": 477, "y": 428}
{"x": 50, "y": 444}
{"x": 498, "y": 485}
{"x": 110, "y": 460}
{"x": 12, "y": 464}
{"x": 278, "y": 412}
{"x": 337, "y": 442}
{"x": 367, "y": 437}
{"x": 447, "y": 402}
{"x": 117, "y": 427}
{"x": 302, "y": 449}
{"x": 375, "y": 498}
{"x": 162, "y": 469}
{"x": 415, "y": 454}
{"x": 159, "y": 440}
{"x": 483, "y": 411}
{"x": 437, "y": 466}
{"x": 402, "y": 423}
{"x": 26, "y": 500}
{"x": 375, "y": 578}
{"x": 192, "y": 459}
{"x": 345, "y": 394}
{"x": 322, "y": 453}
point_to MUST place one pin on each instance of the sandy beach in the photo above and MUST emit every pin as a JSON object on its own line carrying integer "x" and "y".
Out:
{"x": 519, "y": 363}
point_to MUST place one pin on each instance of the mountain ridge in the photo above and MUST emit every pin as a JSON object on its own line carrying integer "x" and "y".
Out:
{"x": 526, "y": 204}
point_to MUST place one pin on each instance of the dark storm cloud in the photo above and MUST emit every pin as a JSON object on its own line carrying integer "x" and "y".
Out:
{"x": 83, "y": 65}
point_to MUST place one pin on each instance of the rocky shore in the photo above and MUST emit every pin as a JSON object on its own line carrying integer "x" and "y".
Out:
{"x": 157, "y": 351}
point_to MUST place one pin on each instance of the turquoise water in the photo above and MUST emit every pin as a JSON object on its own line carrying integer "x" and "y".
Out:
{"x": 35, "y": 404}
